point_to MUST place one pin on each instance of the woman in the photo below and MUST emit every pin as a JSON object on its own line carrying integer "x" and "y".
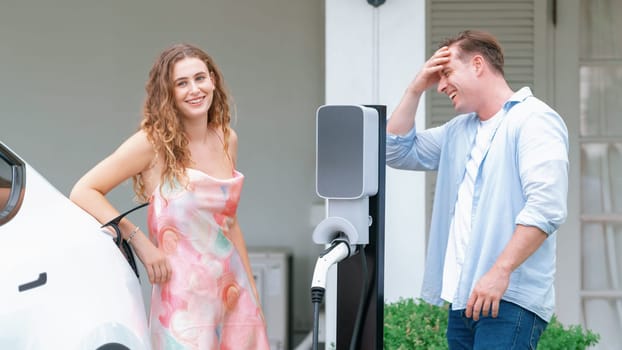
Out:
{"x": 183, "y": 161}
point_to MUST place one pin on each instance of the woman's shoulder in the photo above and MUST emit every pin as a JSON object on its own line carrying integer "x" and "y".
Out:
{"x": 139, "y": 148}
{"x": 233, "y": 137}
{"x": 139, "y": 142}
{"x": 232, "y": 140}
{"x": 232, "y": 146}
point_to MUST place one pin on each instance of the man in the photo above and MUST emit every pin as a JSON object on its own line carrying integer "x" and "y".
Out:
{"x": 500, "y": 196}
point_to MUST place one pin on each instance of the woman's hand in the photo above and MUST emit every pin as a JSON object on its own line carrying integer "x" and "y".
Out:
{"x": 155, "y": 261}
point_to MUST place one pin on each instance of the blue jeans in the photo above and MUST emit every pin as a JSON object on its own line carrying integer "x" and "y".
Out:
{"x": 513, "y": 328}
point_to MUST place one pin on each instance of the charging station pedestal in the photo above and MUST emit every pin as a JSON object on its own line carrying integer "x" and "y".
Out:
{"x": 349, "y": 272}
{"x": 350, "y": 175}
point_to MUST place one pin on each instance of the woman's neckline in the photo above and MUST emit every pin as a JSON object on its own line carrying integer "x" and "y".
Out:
{"x": 236, "y": 174}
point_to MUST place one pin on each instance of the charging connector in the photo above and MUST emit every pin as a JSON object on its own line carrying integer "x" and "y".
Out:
{"x": 339, "y": 250}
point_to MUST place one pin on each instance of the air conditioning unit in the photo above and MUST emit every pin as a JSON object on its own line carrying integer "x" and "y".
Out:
{"x": 271, "y": 270}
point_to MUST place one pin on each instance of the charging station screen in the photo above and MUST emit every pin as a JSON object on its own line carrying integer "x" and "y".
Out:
{"x": 340, "y": 137}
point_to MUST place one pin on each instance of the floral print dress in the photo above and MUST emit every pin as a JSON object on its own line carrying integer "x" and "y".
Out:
{"x": 208, "y": 303}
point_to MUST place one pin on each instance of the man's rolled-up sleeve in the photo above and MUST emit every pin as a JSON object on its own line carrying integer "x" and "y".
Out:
{"x": 414, "y": 150}
{"x": 543, "y": 164}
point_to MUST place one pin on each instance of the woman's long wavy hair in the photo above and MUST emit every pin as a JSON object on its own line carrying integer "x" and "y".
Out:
{"x": 162, "y": 121}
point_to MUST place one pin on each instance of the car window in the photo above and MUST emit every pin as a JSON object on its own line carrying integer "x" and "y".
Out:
{"x": 6, "y": 175}
{"x": 12, "y": 181}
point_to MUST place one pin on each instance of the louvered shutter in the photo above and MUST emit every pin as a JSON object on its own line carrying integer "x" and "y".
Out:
{"x": 511, "y": 21}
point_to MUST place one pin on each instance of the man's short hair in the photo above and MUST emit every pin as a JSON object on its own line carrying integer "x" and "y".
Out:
{"x": 476, "y": 41}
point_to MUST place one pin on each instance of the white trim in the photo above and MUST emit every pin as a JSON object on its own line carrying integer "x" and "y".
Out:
{"x": 371, "y": 56}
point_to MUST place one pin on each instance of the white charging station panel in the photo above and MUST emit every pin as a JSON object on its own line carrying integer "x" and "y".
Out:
{"x": 346, "y": 151}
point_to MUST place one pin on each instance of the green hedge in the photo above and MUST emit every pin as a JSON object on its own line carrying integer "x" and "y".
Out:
{"x": 410, "y": 324}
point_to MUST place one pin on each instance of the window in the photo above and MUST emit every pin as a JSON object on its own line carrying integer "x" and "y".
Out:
{"x": 5, "y": 183}
{"x": 12, "y": 178}
{"x": 600, "y": 139}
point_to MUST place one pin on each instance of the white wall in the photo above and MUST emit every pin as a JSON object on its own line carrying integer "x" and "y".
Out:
{"x": 72, "y": 76}
{"x": 371, "y": 56}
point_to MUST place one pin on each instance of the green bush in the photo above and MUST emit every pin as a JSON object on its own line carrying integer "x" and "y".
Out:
{"x": 556, "y": 337}
{"x": 414, "y": 325}
{"x": 410, "y": 324}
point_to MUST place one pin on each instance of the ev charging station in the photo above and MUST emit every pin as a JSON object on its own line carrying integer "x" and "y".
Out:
{"x": 350, "y": 176}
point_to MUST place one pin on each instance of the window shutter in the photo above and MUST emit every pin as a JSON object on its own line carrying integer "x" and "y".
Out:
{"x": 511, "y": 21}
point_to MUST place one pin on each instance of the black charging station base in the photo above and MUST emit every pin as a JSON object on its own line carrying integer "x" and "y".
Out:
{"x": 350, "y": 277}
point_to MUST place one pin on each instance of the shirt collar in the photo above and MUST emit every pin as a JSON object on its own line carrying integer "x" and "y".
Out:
{"x": 518, "y": 96}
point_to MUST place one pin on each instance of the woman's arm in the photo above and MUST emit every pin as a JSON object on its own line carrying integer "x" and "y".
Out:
{"x": 131, "y": 158}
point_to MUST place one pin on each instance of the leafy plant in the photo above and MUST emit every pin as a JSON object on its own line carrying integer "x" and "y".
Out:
{"x": 556, "y": 337}
{"x": 410, "y": 324}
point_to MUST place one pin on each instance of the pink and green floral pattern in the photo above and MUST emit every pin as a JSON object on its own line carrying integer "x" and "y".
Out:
{"x": 208, "y": 303}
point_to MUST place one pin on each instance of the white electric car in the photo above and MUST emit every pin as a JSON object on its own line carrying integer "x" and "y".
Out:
{"x": 64, "y": 283}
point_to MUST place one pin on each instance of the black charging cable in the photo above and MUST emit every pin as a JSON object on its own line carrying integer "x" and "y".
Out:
{"x": 121, "y": 243}
{"x": 361, "y": 312}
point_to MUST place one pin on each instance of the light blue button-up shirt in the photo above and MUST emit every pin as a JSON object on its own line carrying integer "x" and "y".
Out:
{"x": 523, "y": 179}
